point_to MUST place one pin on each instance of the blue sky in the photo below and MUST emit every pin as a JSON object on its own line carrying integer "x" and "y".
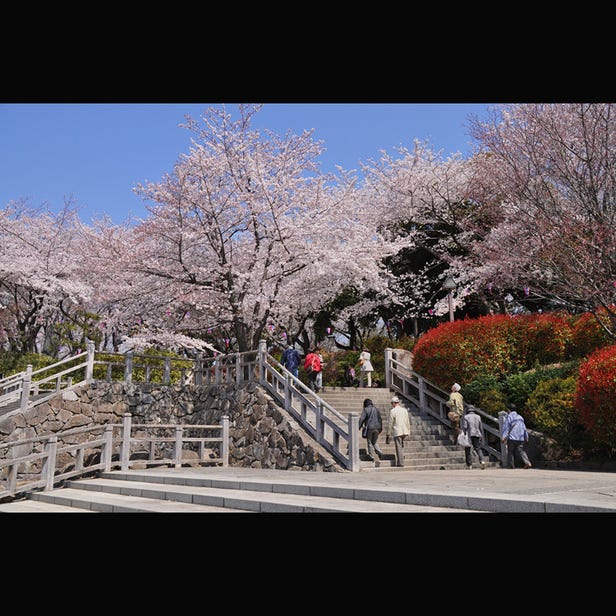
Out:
{"x": 97, "y": 152}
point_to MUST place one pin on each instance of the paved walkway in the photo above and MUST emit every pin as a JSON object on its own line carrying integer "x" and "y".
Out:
{"x": 498, "y": 490}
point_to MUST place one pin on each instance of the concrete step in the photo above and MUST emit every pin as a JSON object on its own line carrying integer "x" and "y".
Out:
{"x": 100, "y": 500}
{"x": 27, "y": 505}
{"x": 132, "y": 491}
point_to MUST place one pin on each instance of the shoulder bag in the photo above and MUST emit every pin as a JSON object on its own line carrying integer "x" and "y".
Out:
{"x": 463, "y": 439}
{"x": 364, "y": 430}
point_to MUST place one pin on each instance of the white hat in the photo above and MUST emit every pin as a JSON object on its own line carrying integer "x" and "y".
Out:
{"x": 395, "y": 399}
{"x": 456, "y": 387}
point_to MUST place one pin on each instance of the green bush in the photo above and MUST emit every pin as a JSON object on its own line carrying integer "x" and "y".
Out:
{"x": 518, "y": 387}
{"x": 153, "y": 363}
{"x": 474, "y": 390}
{"x": 11, "y": 363}
{"x": 492, "y": 401}
{"x": 550, "y": 409}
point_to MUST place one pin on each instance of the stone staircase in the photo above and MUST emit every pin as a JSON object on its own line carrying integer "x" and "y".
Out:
{"x": 216, "y": 490}
{"x": 429, "y": 447}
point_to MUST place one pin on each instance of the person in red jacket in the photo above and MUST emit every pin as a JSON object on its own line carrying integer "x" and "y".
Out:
{"x": 312, "y": 366}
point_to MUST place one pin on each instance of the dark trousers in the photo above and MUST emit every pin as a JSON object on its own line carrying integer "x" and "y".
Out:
{"x": 476, "y": 445}
{"x": 516, "y": 448}
{"x": 399, "y": 443}
{"x": 314, "y": 382}
{"x": 371, "y": 444}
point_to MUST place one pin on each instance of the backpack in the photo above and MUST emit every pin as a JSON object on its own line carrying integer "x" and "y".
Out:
{"x": 309, "y": 363}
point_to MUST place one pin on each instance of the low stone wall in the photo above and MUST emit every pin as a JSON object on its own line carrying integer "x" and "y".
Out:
{"x": 262, "y": 434}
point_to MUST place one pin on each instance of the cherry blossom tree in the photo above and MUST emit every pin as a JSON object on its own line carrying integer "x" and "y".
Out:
{"x": 432, "y": 206}
{"x": 41, "y": 293}
{"x": 552, "y": 168}
{"x": 246, "y": 235}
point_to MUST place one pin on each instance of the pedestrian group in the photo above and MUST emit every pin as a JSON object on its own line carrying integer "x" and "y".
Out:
{"x": 466, "y": 425}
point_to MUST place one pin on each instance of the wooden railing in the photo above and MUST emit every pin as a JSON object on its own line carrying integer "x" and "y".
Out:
{"x": 108, "y": 446}
{"x": 431, "y": 399}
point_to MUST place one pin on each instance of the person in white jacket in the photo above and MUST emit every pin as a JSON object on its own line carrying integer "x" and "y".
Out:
{"x": 398, "y": 426}
{"x": 365, "y": 368}
{"x": 471, "y": 425}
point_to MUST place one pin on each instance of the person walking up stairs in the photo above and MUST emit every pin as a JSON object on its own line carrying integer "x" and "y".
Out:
{"x": 427, "y": 448}
{"x": 399, "y": 426}
{"x": 371, "y": 425}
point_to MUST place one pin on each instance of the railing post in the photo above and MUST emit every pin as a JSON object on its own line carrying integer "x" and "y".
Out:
{"x": 501, "y": 421}
{"x": 179, "y": 431}
{"x": 224, "y": 445}
{"x": 422, "y": 393}
{"x": 239, "y": 376}
{"x": 128, "y": 367}
{"x": 318, "y": 421}
{"x": 167, "y": 371}
{"x": 107, "y": 452}
{"x": 48, "y": 469}
{"x": 262, "y": 356}
{"x": 90, "y": 364}
{"x": 25, "y": 392}
{"x": 125, "y": 453}
{"x": 287, "y": 391}
{"x": 198, "y": 376}
{"x": 217, "y": 370}
{"x": 353, "y": 428}
{"x": 388, "y": 357}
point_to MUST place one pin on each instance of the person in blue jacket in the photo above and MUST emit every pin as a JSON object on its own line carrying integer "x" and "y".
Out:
{"x": 514, "y": 433}
{"x": 290, "y": 359}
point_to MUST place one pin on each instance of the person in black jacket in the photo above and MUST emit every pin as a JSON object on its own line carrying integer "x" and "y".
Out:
{"x": 372, "y": 424}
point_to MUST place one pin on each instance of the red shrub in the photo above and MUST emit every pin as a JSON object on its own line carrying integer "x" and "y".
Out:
{"x": 495, "y": 345}
{"x": 543, "y": 338}
{"x": 588, "y": 335}
{"x": 462, "y": 350}
{"x": 595, "y": 400}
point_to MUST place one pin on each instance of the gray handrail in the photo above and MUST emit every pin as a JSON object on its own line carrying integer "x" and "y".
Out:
{"x": 65, "y": 374}
{"x": 333, "y": 431}
{"x": 432, "y": 400}
{"x": 337, "y": 434}
{"x": 107, "y": 440}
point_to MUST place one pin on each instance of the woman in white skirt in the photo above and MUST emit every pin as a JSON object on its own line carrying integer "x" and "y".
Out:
{"x": 365, "y": 369}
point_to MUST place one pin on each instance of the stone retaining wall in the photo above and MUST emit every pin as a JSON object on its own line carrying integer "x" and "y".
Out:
{"x": 262, "y": 434}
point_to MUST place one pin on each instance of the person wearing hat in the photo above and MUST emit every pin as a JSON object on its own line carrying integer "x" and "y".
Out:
{"x": 456, "y": 404}
{"x": 471, "y": 425}
{"x": 514, "y": 433}
{"x": 398, "y": 426}
{"x": 372, "y": 425}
